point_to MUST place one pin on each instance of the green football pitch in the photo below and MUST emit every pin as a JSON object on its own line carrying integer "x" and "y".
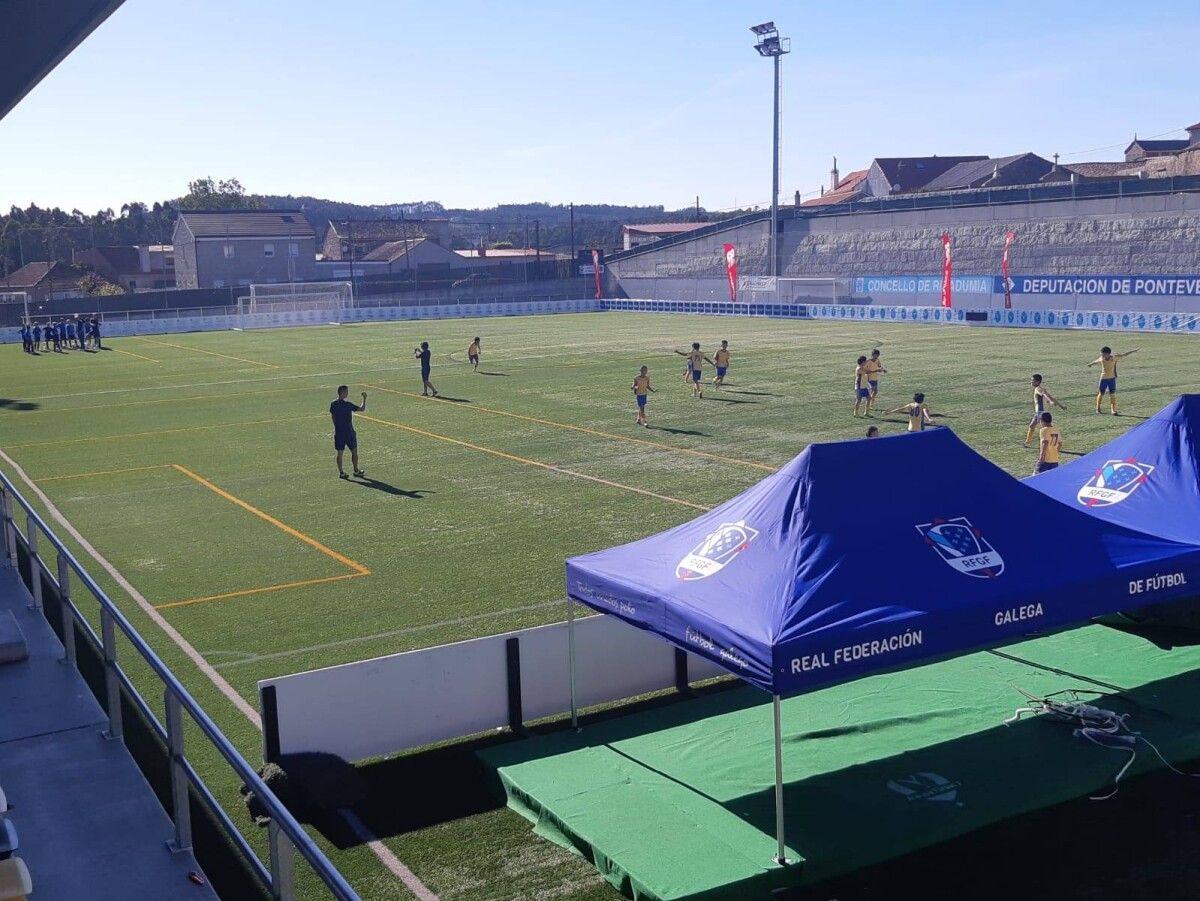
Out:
{"x": 200, "y": 466}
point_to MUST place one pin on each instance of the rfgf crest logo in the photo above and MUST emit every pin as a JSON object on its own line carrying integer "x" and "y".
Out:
{"x": 1115, "y": 481}
{"x": 962, "y": 547}
{"x": 927, "y": 787}
{"x": 716, "y": 551}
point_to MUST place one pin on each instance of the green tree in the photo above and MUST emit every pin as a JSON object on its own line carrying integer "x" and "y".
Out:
{"x": 227, "y": 194}
{"x": 95, "y": 286}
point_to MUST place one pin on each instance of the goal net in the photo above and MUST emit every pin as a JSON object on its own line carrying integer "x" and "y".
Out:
{"x": 772, "y": 289}
{"x": 814, "y": 290}
{"x": 295, "y": 297}
{"x": 14, "y": 307}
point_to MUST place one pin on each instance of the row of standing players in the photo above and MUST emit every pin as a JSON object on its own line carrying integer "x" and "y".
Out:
{"x": 79, "y": 332}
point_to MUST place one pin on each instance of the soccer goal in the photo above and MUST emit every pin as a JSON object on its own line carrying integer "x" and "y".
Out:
{"x": 14, "y": 307}
{"x": 296, "y": 297}
{"x": 814, "y": 290}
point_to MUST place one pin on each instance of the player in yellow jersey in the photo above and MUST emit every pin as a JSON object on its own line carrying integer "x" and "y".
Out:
{"x": 1108, "y": 376}
{"x": 473, "y": 354}
{"x": 1041, "y": 397}
{"x": 696, "y": 360}
{"x": 641, "y": 386}
{"x": 1051, "y": 446}
{"x": 874, "y": 369}
{"x": 862, "y": 391}
{"x": 917, "y": 412}
{"x": 721, "y": 361}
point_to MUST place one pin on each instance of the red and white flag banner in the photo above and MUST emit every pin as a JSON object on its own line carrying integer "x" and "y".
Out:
{"x": 596, "y": 270}
{"x": 947, "y": 272}
{"x": 1008, "y": 239}
{"x": 731, "y": 270}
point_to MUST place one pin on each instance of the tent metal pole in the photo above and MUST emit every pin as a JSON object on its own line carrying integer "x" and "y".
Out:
{"x": 571, "y": 659}
{"x": 781, "y": 854}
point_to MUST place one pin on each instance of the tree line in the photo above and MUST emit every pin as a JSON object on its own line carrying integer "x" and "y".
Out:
{"x": 37, "y": 233}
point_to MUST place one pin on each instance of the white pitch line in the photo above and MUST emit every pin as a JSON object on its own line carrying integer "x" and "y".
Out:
{"x": 159, "y": 620}
{"x": 391, "y": 633}
{"x": 386, "y": 857}
{"x": 381, "y": 851}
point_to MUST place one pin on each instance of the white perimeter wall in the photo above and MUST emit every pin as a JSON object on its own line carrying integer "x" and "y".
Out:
{"x": 389, "y": 704}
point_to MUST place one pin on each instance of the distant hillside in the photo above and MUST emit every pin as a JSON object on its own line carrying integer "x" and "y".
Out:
{"x": 596, "y": 224}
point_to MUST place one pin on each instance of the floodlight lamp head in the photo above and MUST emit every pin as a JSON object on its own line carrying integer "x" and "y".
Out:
{"x": 764, "y": 28}
{"x": 770, "y": 47}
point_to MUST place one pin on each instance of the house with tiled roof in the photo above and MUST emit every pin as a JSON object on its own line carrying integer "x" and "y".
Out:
{"x": 845, "y": 190}
{"x": 355, "y": 238}
{"x": 992, "y": 172}
{"x": 889, "y": 176}
{"x": 135, "y": 267}
{"x": 223, "y": 248}
{"x": 1140, "y": 149}
{"x": 45, "y": 280}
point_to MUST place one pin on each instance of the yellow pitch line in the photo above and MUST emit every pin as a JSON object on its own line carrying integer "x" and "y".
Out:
{"x": 578, "y": 428}
{"x": 267, "y": 517}
{"x": 248, "y": 591}
{"x": 130, "y": 353}
{"x": 194, "y": 428}
{"x": 537, "y": 463}
{"x": 104, "y": 472}
{"x": 211, "y": 353}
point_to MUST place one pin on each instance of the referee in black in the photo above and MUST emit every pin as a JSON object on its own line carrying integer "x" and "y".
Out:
{"x": 342, "y": 412}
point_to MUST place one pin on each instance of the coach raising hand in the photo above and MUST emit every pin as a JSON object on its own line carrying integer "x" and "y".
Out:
{"x": 342, "y": 412}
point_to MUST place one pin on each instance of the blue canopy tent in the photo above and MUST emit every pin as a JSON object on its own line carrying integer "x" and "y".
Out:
{"x": 868, "y": 555}
{"x": 1147, "y": 479}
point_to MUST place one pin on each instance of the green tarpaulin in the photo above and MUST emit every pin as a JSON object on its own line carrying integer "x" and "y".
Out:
{"x": 678, "y": 802}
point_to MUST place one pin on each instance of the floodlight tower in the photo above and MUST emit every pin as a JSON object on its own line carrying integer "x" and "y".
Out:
{"x": 772, "y": 45}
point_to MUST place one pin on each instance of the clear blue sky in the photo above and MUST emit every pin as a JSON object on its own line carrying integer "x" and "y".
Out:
{"x": 473, "y": 103}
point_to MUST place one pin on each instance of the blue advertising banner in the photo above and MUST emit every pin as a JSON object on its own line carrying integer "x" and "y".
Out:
{"x": 922, "y": 284}
{"x": 1131, "y": 285}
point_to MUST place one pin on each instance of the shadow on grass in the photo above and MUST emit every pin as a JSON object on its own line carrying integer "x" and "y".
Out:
{"x": 415, "y": 494}
{"x": 750, "y": 393}
{"x": 730, "y": 400}
{"x": 21, "y": 406}
{"x": 500, "y": 374}
{"x": 425, "y": 788}
{"x": 671, "y": 431}
{"x": 453, "y": 400}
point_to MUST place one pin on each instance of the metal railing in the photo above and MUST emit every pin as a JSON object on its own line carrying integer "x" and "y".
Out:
{"x": 285, "y": 835}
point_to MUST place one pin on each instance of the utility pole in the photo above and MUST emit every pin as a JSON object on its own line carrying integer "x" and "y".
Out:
{"x": 537, "y": 240}
{"x": 572, "y": 238}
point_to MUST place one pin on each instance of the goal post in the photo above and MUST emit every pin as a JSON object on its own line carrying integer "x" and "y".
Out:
{"x": 814, "y": 289}
{"x": 14, "y": 308}
{"x": 294, "y": 297}
{"x": 784, "y": 289}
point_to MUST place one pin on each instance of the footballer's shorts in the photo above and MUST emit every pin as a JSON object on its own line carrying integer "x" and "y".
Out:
{"x": 1044, "y": 467}
{"x": 721, "y": 370}
{"x": 1108, "y": 386}
{"x": 861, "y": 393}
{"x": 641, "y": 399}
{"x": 696, "y": 373}
{"x": 343, "y": 440}
{"x": 473, "y": 358}
{"x": 874, "y": 386}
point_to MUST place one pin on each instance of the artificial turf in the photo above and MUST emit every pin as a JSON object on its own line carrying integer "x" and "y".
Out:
{"x": 473, "y": 501}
